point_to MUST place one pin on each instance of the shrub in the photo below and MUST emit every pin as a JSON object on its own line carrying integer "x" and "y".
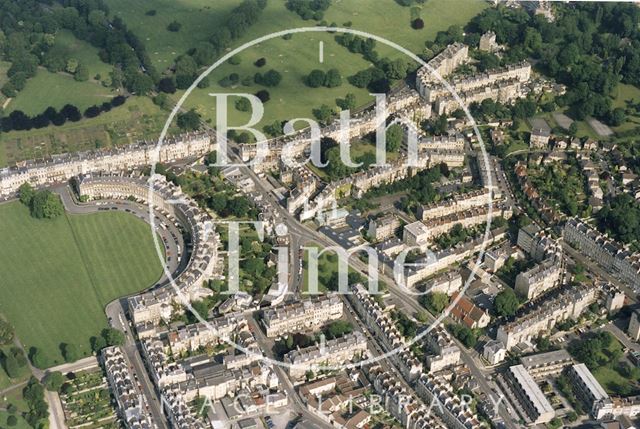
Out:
{"x": 174, "y": 26}
{"x": 263, "y": 95}
{"x": 260, "y": 62}
{"x": 417, "y": 24}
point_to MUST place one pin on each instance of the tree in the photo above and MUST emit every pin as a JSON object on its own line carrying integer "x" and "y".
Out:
{"x": 260, "y": 62}
{"x": 417, "y": 24}
{"x": 333, "y": 78}
{"x": 53, "y": 381}
{"x": 168, "y": 85}
{"x": 271, "y": 78}
{"x": 338, "y": 329}
{"x": 218, "y": 202}
{"x": 92, "y": 112}
{"x": 70, "y": 352}
{"x": 436, "y": 302}
{"x": 138, "y": 83}
{"x": 82, "y": 73}
{"x": 394, "y": 138}
{"x": 98, "y": 343}
{"x": 46, "y": 205}
{"x": 37, "y": 358}
{"x": 174, "y": 26}
{"x": 263, "y": 95}
{"x": 71, "y": 112}
{"x": 323, "y": 114}
{"x": 189, "y": 121}
{"x": 72, "y": 65}
{"x": 243, "y": 104}
{"x": 26, "y": 194}
{"x": 12, "y": 420}
{"x": 113, "y": 337}
{"x": 347, "y": 103}
{"x": 315, "y": 78}
{"x": 10, "y": 365}
{"x": 506, "y": 303}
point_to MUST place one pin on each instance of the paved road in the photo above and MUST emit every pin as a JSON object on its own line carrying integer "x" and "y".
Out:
{"x": 82, "y": 364}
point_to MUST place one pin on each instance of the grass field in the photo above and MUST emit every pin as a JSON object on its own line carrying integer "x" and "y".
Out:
{"x": 82, "y": 51}
{"x": 294, "y": 58}
{"x": 137, "y": 119}
{"x": 57, "y": 89}
{"x": 58, "y": 275}
{"x": 197, "y": 17}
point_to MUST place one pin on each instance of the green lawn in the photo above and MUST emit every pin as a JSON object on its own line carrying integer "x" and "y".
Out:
{"x": 198, "y": 19}
{"x": 294, "y": 58}
{"x": 59, "y": 274}
{"x": 57, "y": 89}
{"x": 84, "y": 52}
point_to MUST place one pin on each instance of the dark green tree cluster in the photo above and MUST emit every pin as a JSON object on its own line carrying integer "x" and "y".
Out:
{"x": 582, "y": 48}
{"x": 318, "y": 78}
{"x": 506, "y": 303}
{"x": 419, "y": 188}
{"x": 189, "y": 121}
{"x": 53, "y": 381}
{"x": 309, "y": 9}
{"x": 42, "y": 204}
{"x": 13, "y": 361}
{"x": 596, "y": 351}
{"x": 235, "y": 26}
{"x": 620, "y": 217}
{"x": 337, "y": 329}
{"x": 394, "y": 138}
{"x": 435, "y": 302}
{"x": 407, "y": 327}
{"x": 19, "y": 121}
{"x": 107, "y": 338}
{"x": 464, "y": 334}
{"x": 270, "y": 78}
{"x": 347, "y": 103}
{"x": 38, "y": 413}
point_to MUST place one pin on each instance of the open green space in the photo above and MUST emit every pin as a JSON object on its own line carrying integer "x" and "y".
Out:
{"x": 293, "y": 58}
{"x": 199, "y": 19}
{"x": 85, "y": 53}
{"x": 137, "y": 119}
{"x": 59, "y": 274}
{"x": 55, "y": 90}
{"x": 13, "y": 397}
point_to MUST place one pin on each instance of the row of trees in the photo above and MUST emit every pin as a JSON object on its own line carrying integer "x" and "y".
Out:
{"x": 309, "y": 9}
{"x": 330, "y": 79}
{"x": 204, "y": 53}
{"x": 20, "y": 121}
{"x": 38, "y": 413}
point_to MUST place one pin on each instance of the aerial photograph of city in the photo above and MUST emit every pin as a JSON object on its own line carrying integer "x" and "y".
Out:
{"x": 309, "y": 214}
